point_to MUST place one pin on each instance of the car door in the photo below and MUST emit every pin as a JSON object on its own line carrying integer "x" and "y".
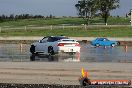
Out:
{"x": 104, "y": 42}
{"x": 42, "y": 45}
{"x": 51, "y": 42}
{"x": 100, "y": 42}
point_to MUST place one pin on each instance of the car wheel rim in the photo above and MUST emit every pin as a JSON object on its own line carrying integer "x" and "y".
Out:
{"x": 97, "y": 45}
{"x": 113, "y": 45}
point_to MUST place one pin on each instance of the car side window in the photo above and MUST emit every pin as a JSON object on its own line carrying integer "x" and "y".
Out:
{"x": 100, "y": 39}
{"x": 104, "y": 39}
{"x": 44, "y": 40}
{"x": 50, "y": 39}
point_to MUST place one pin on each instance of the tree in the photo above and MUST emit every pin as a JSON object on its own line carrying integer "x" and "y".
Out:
{"x": 50, "y": 16}
{"x": 1, "y": 20}
{"x": 105, "y": 6}
{"x": 86, "y": 9}
{"x": 11, "y": 17}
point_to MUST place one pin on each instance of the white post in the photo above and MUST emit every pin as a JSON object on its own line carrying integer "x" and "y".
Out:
{"x": 63, "y": 27}
{"x": 131, "y": 17}
{"x": 51, "y": 27}
{"x": 25, "y": 28}
{"x": 85, "y": 26}
{"x": 106, "y": 24}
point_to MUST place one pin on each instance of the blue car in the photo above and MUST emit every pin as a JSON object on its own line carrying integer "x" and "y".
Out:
{"x": 104, "y": 42}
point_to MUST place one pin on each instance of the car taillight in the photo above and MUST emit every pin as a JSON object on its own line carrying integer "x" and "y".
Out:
{"x": 60, "y": 44}
{"x": 77, "y": 44}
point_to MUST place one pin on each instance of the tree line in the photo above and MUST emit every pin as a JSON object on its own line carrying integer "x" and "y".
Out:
{"x": 22, "y": 16}
{"x": 87, "y": 9}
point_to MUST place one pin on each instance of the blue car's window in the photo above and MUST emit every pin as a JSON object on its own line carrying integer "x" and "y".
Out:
{"x": 100, "y": 39}
{"x": 103, "y": 39}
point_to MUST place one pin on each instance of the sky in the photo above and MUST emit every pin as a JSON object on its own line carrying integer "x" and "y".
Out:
{"x": 54, "y": 7}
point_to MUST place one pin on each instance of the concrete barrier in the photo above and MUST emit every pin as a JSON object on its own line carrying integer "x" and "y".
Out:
{"x": 30, "y": 39}
{"x": 77, "y": 38}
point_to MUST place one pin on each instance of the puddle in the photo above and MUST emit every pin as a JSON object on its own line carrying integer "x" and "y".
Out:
{"x": 20, "y": 53}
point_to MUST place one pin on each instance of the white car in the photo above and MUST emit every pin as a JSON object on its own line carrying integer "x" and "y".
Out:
{"x": 55, "y": 44}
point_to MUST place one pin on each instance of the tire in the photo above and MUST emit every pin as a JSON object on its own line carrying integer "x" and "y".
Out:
{"x": 118, "y": 43}
{"x": 32, "y": 49}
{"x": 97, "y": 45}
{"x": 112, "y": 45}
{"x": 51, "y": 50}
{"x": 32, "y": 57}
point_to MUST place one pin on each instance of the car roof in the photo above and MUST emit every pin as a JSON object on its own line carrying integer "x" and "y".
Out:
{"x": 101, "y": 38}
{"x": 59, "y": 37}
{"x": 56, "y": 38}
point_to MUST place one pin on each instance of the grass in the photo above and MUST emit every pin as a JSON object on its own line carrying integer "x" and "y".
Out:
{"x": 69, "y": 21}
{"x": 101, "y": 31}
{"x": 41, "y": 22}
{"x": 73, "y": 32}
{"x": 119, "y": 21}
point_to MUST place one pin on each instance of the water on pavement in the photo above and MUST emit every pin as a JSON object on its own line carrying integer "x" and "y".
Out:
{"x": 20, "y": 53}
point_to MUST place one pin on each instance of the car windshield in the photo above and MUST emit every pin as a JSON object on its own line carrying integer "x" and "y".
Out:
{"x": 61, "y": 37}
{"x": 69, "y": 40}
{"x": 103, "y": 39}
{"x": 57, "y": 38}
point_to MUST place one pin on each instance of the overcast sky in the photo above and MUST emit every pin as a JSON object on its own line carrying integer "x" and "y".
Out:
{"x": 54, "y": 7}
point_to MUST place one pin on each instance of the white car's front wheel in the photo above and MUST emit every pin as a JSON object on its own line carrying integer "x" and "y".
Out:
{"x": 32, "y": 49}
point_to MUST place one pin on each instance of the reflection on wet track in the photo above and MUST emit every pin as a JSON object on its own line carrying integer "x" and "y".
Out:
{"x": 20, "y": 53}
